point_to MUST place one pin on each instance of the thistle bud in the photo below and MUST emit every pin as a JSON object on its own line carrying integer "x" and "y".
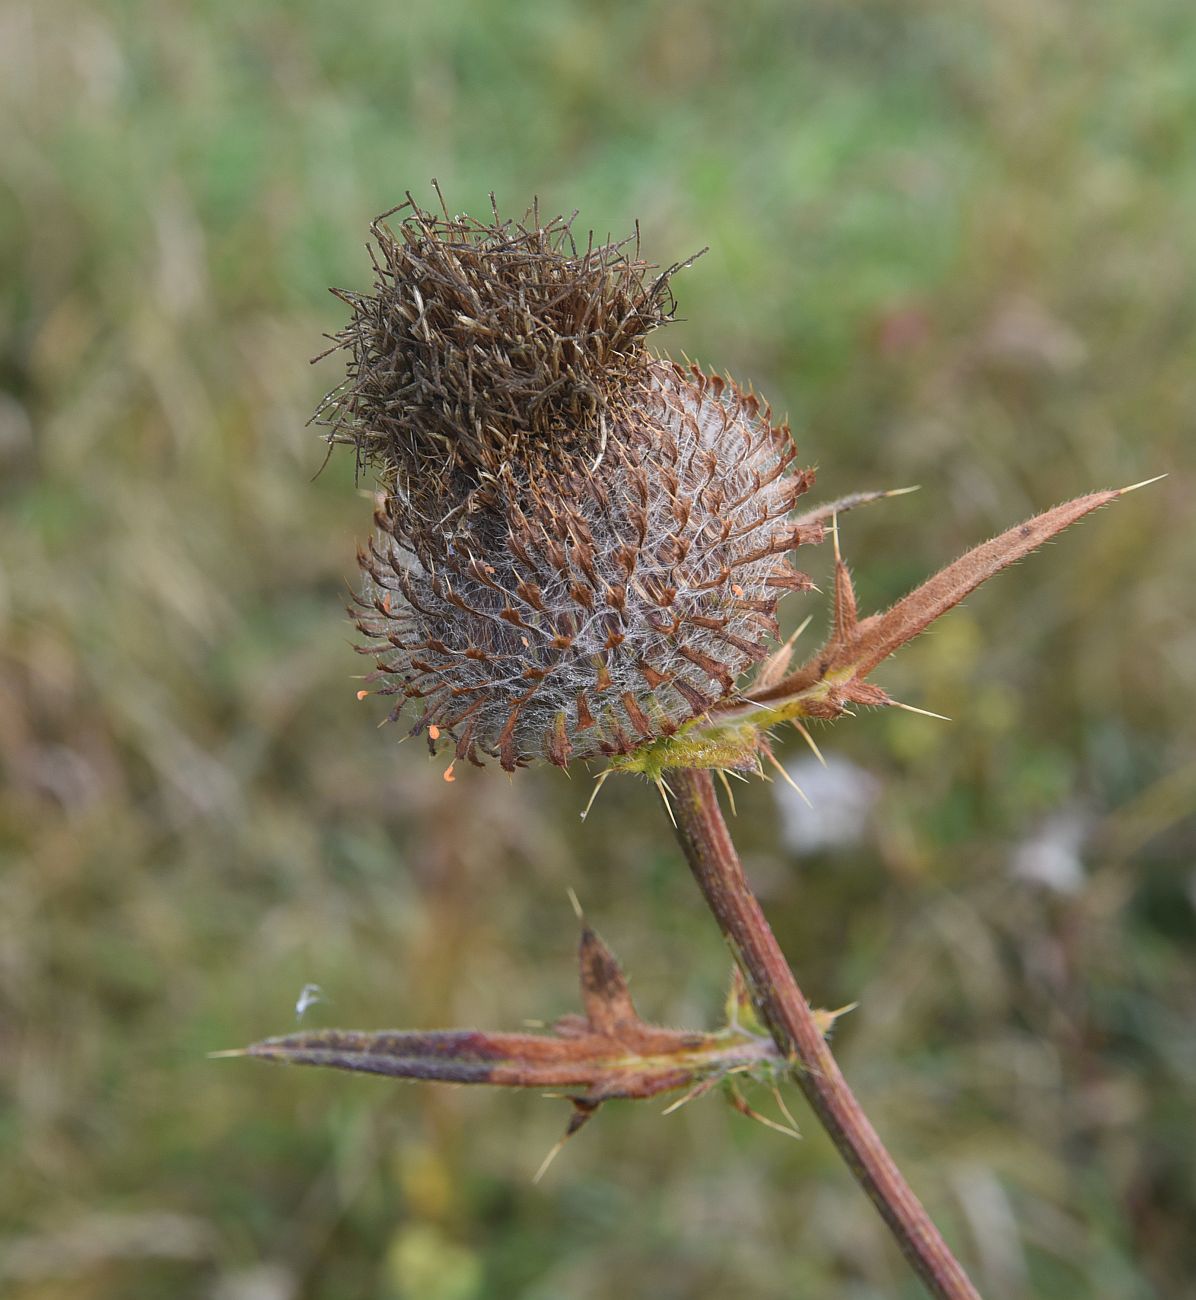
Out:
{"x": 579, "y": 546}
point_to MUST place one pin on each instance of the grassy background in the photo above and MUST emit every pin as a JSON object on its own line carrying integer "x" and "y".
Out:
{"x": 957, "y": 243}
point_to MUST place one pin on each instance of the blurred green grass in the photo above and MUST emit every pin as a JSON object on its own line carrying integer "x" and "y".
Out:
{"x": 957, "y": 244}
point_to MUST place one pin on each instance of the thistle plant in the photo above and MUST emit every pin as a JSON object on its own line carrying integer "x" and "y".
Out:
{"x": 577, "y": 556}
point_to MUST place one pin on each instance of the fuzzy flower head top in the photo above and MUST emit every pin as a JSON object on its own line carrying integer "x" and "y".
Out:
{"x": 579, "y": 545}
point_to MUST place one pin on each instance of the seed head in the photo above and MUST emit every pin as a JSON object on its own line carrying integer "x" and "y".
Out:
{"x": 579, "y": 546}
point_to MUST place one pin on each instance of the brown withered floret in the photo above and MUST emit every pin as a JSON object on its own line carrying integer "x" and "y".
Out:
{"x": 579, "y": 546}
{"x": 484, "y": 344}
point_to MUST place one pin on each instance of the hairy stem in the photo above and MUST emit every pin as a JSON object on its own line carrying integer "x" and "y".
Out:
{"x": 716, "y": 867}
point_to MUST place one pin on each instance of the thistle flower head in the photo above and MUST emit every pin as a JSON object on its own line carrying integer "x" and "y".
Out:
{"x": 579, "y": 545}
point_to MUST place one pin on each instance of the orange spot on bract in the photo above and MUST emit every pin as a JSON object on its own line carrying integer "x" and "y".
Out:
{"x": 362, "y": 694}
{"x": 527, "y": 645}
{"x": 434, "y": 732}
{"x": 736, "y": 589}
{"x": 448, "y": 772}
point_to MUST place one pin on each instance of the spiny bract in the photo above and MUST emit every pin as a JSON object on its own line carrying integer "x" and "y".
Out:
{"x": 579, "y": 546}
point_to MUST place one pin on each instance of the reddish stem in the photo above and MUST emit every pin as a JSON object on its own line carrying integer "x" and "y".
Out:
{"x": 716, "y": 867}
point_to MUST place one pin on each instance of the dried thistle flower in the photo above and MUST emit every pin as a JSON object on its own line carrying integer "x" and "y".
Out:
{"x": 580, "y": 546}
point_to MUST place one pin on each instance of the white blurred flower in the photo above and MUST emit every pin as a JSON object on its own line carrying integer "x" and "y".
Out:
{"x": 842, "y": 796}
{"x": 1051, "y": 856}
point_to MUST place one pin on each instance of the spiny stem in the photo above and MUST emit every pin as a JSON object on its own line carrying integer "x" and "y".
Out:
{"x": 717, "y": 869}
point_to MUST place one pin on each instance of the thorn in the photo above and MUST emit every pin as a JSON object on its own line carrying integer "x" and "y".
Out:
{"x": 234, "y": 1051}
{"x": 801, "y": 627}
{"x": 1146, "y": 482}
{"x": 601, "y": 779}
{"x": 576, "y": 902}
{"x": 582, "y": 1111}
{"x": 780, "y": 1100}
{"x": 926, "y": 713}
{"x": 743, "y": 1108}
{"x": 553, "y": 1152}
{"x": 825, "y": 1020}
{"x": 664, "y": 792}
{"x": 805, "y": 734}
{"x": 698, "y": 1090}
{"x": 722, "y": 776}
{"x": 777, "y": 663}
{"x": 776, "y": 762}
{"x": 835, "y": 536}
{"x": 819, "y": 514}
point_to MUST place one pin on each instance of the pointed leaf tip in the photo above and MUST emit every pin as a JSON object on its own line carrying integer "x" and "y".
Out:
{"x": 820, "y": 514}
{"x": 604, "y": 993}
{"x": 880, "y": 637}
{"x": 1146, "y": 482}
{"x": 825, "y": 1020}
{"x": 583, "y": 1111}
{"x": 911, "y": 708}
{"x": 857, "y": 645}
{"x": 777, "y": 664}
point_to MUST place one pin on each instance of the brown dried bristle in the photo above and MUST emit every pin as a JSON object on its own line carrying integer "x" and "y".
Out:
{"x": 484, "y": 344}
{"x": 580, "y": 546}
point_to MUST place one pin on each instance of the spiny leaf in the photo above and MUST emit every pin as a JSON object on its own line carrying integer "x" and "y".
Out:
{"x": 879, "y": 636}
{"x": 607, "y": 1053}
{"x": 857, "y": 646}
